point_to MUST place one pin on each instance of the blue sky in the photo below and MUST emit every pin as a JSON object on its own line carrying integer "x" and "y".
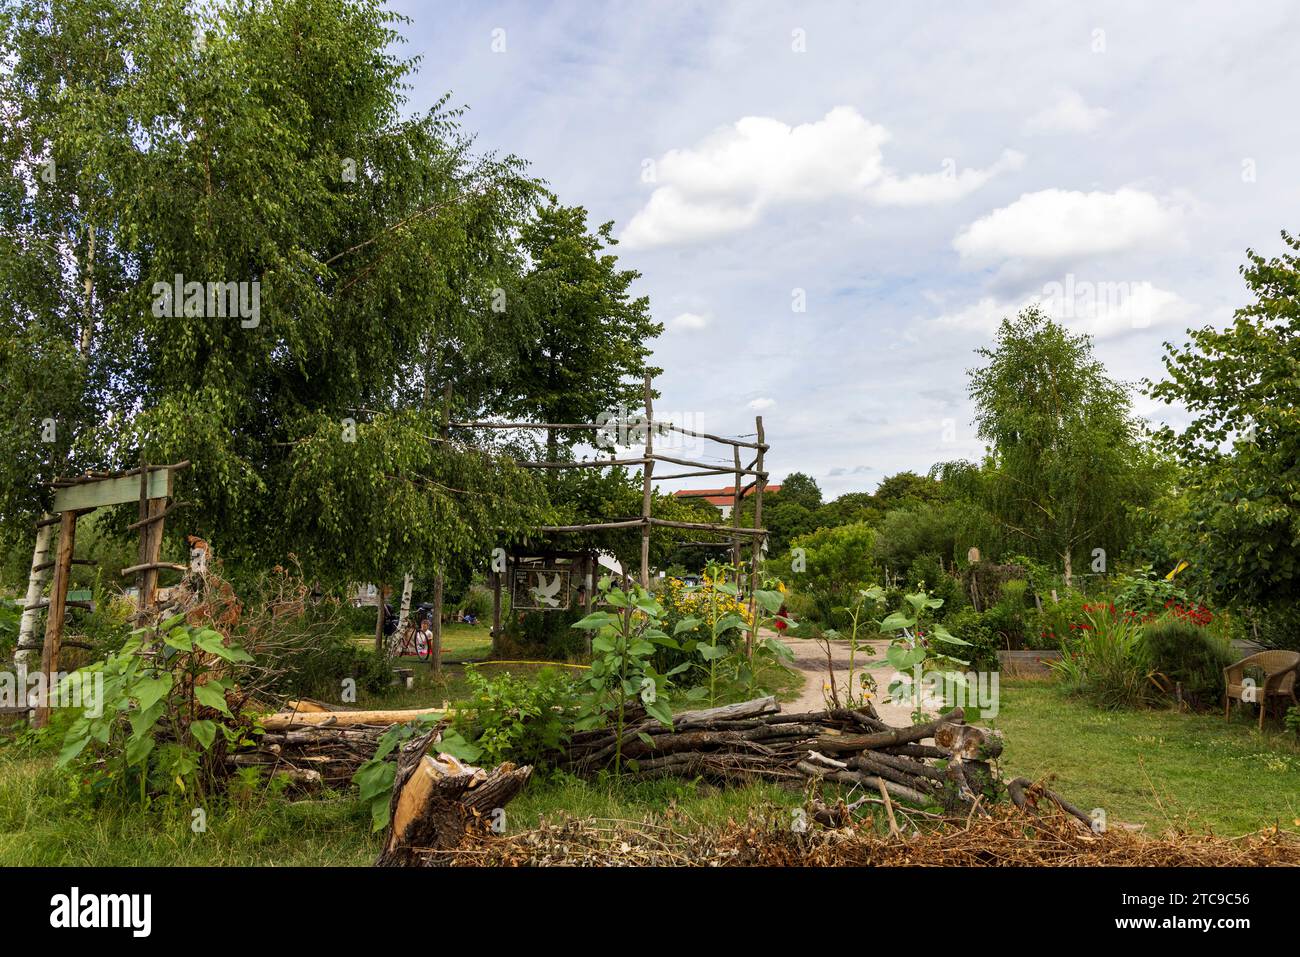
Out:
{"x": 906, "y": 174}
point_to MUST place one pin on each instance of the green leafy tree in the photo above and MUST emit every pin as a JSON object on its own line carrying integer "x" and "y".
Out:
{"x": 145, "y": 141}
{"x": 582, "y": 350}
{"x": 1066, "y": 457}
{"x": 1241, "y": 449}
{"x": 831, "y": 564}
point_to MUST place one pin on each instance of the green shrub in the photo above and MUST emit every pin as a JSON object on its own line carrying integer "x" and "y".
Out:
{"x": 1106, "y": 659}
{"x": 984, "y": 641}
{"x": 1050, "y": 626}
{"x": 928, "y": 572}
{"x": 1009, "y": 618}
{"x": 1182, "y": 652}
{"x": 477, "y": 601}
{"x": 971, "y": 626}
{"x": 524, "y": 719}
{"x": 1148, "y": 593}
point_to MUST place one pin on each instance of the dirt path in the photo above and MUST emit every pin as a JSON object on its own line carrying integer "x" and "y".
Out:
{"x": 810, "y": 660}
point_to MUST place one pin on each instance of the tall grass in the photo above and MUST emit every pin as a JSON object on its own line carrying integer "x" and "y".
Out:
{"x": 1105, "y": 658}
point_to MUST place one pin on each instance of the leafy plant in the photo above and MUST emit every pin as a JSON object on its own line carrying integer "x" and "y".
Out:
{"x": 622, "y": 648}
{"x": 866, "y": 684}
{"x": 165, "y": 695}
{"x": 1106, "y": 659}
{"x": 521, "y": 719}
{"x": 1182, "y": 652}
{"x": 916, "y": 644}
{"x": 375, "y": 778}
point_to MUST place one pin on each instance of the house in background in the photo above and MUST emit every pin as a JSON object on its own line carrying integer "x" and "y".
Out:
{"x": 722, "y": 498}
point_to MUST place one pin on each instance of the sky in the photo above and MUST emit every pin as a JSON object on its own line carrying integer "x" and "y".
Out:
{"x": 832, "y": 205}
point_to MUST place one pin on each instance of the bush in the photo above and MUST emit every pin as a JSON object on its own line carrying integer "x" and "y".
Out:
{"x": 1008, "y": 619}
{"x": 680, "y": 602}
{"x": 1106, "y": 659}
{"x": 928, "y": 573}
{"x": 969, "y": 625}
{"x": 1183, "y": 652}
{"x": 523, "y": 719}
{"x": 477, "y": 601}
{"x": 1146, "y": 592}
{"x": 1050, "y": 626}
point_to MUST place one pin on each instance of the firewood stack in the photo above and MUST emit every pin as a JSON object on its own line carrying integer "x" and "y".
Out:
{"x": 753, "y": 740}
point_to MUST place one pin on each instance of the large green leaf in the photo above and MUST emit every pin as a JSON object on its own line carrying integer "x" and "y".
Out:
{"x": 149, "y": 691}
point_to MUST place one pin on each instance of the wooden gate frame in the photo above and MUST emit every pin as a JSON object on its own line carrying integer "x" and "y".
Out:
{"x": 151, "y": 486}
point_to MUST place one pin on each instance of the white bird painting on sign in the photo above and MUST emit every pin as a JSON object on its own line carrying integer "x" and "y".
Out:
{"x": 546, "y": 594}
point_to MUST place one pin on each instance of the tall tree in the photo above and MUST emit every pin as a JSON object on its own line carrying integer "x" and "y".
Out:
{"x": 583, "y": 346}
{"x": 1241, "y": 449}
{"x": 1065, "y": 453}
{"x": 145, "y": 141}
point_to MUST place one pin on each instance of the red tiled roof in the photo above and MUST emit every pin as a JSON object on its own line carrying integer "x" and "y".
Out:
{"x": 719, "y": 496}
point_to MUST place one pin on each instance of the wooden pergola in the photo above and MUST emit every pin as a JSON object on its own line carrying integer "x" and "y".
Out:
{"x": 647, "y": 522}
{"x": 151, "y": 486}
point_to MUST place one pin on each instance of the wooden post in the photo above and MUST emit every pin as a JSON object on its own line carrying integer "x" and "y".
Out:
{"x": 759, "y": 482}
{"x": 58, "y": 609}
{"x": 27, "y": 642}
{"x": 151, "y": 529}
{"x": 735, "y": 514}
{"x": 496, "y": 614}
{"x": 647, "y": 472}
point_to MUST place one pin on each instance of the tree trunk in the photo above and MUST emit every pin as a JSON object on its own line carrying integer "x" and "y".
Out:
{"x": 435, "y": 649}
{"x": 1069, "y": 569}
{"x": 27, "y": 641}
{"x": 407, "y": 582}
{"x": 379, "y": 620}
{"x": 435, "y": 799}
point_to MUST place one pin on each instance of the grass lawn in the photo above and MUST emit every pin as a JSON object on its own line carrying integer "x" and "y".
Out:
{"x": 1153, "y": 767}
{"x": 1157, "y": 768}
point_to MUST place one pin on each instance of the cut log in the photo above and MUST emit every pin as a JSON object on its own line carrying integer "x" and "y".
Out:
{"x": 436, "y": 799}
{"x": 284, "y": 720}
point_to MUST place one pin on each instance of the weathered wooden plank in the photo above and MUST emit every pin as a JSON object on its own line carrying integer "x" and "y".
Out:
{"x": 112, "y": 491}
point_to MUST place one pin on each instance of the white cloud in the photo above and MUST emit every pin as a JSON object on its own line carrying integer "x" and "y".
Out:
{"x": 758, "y": 405}
{"x": 725, "y": 183}
{"x": 923, "y": 189}
{"x": 1101, "y": 309}
{"x": 1056, "y": 224}
{"x": 689, "y": 322}
{"x": 1069, "y": 114}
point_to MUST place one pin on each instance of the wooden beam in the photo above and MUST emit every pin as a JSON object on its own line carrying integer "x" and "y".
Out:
{"x": 646, "y": 488}
{"x": 114, "y": 491}
{"x": 58, "y": 609}
{"x": 758, "y": 540}
{"x": 593, "y": 464}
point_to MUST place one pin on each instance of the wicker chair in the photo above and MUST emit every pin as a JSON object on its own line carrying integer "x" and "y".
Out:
{"x": 1279, "y": 669}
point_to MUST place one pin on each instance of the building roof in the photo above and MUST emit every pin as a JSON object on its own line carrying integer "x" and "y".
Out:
{"x": 720, "y": 496}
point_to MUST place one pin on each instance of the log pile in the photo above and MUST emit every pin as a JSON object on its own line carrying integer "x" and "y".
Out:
{"x": 944, "y": 761}
{"x": 320, "y": 746}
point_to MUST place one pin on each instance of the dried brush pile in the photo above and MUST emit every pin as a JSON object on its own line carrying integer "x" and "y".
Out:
{"x": 1008, "y": 837}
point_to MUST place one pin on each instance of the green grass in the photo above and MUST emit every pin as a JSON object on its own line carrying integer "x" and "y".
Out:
{"x": 1159, "y": 768}
{"x": 40, "y": 827}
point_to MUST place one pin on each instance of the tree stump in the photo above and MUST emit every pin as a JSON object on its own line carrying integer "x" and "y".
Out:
{"x": 437, "y": 799}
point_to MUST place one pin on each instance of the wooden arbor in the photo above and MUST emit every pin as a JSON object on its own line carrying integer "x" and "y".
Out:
{"x": 646, "y": 429}
{"x": 151, "y": 486}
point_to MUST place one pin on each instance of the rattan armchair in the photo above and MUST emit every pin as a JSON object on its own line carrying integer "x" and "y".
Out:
{"x": 1279, "y": 669}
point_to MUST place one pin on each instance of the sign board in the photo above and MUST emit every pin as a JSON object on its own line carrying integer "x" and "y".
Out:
{"x": 539, "y": 588}
{"x": 112, "y": 491}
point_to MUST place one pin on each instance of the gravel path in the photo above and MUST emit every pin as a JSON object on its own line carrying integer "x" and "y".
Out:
{"x": 810, "y": 659}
